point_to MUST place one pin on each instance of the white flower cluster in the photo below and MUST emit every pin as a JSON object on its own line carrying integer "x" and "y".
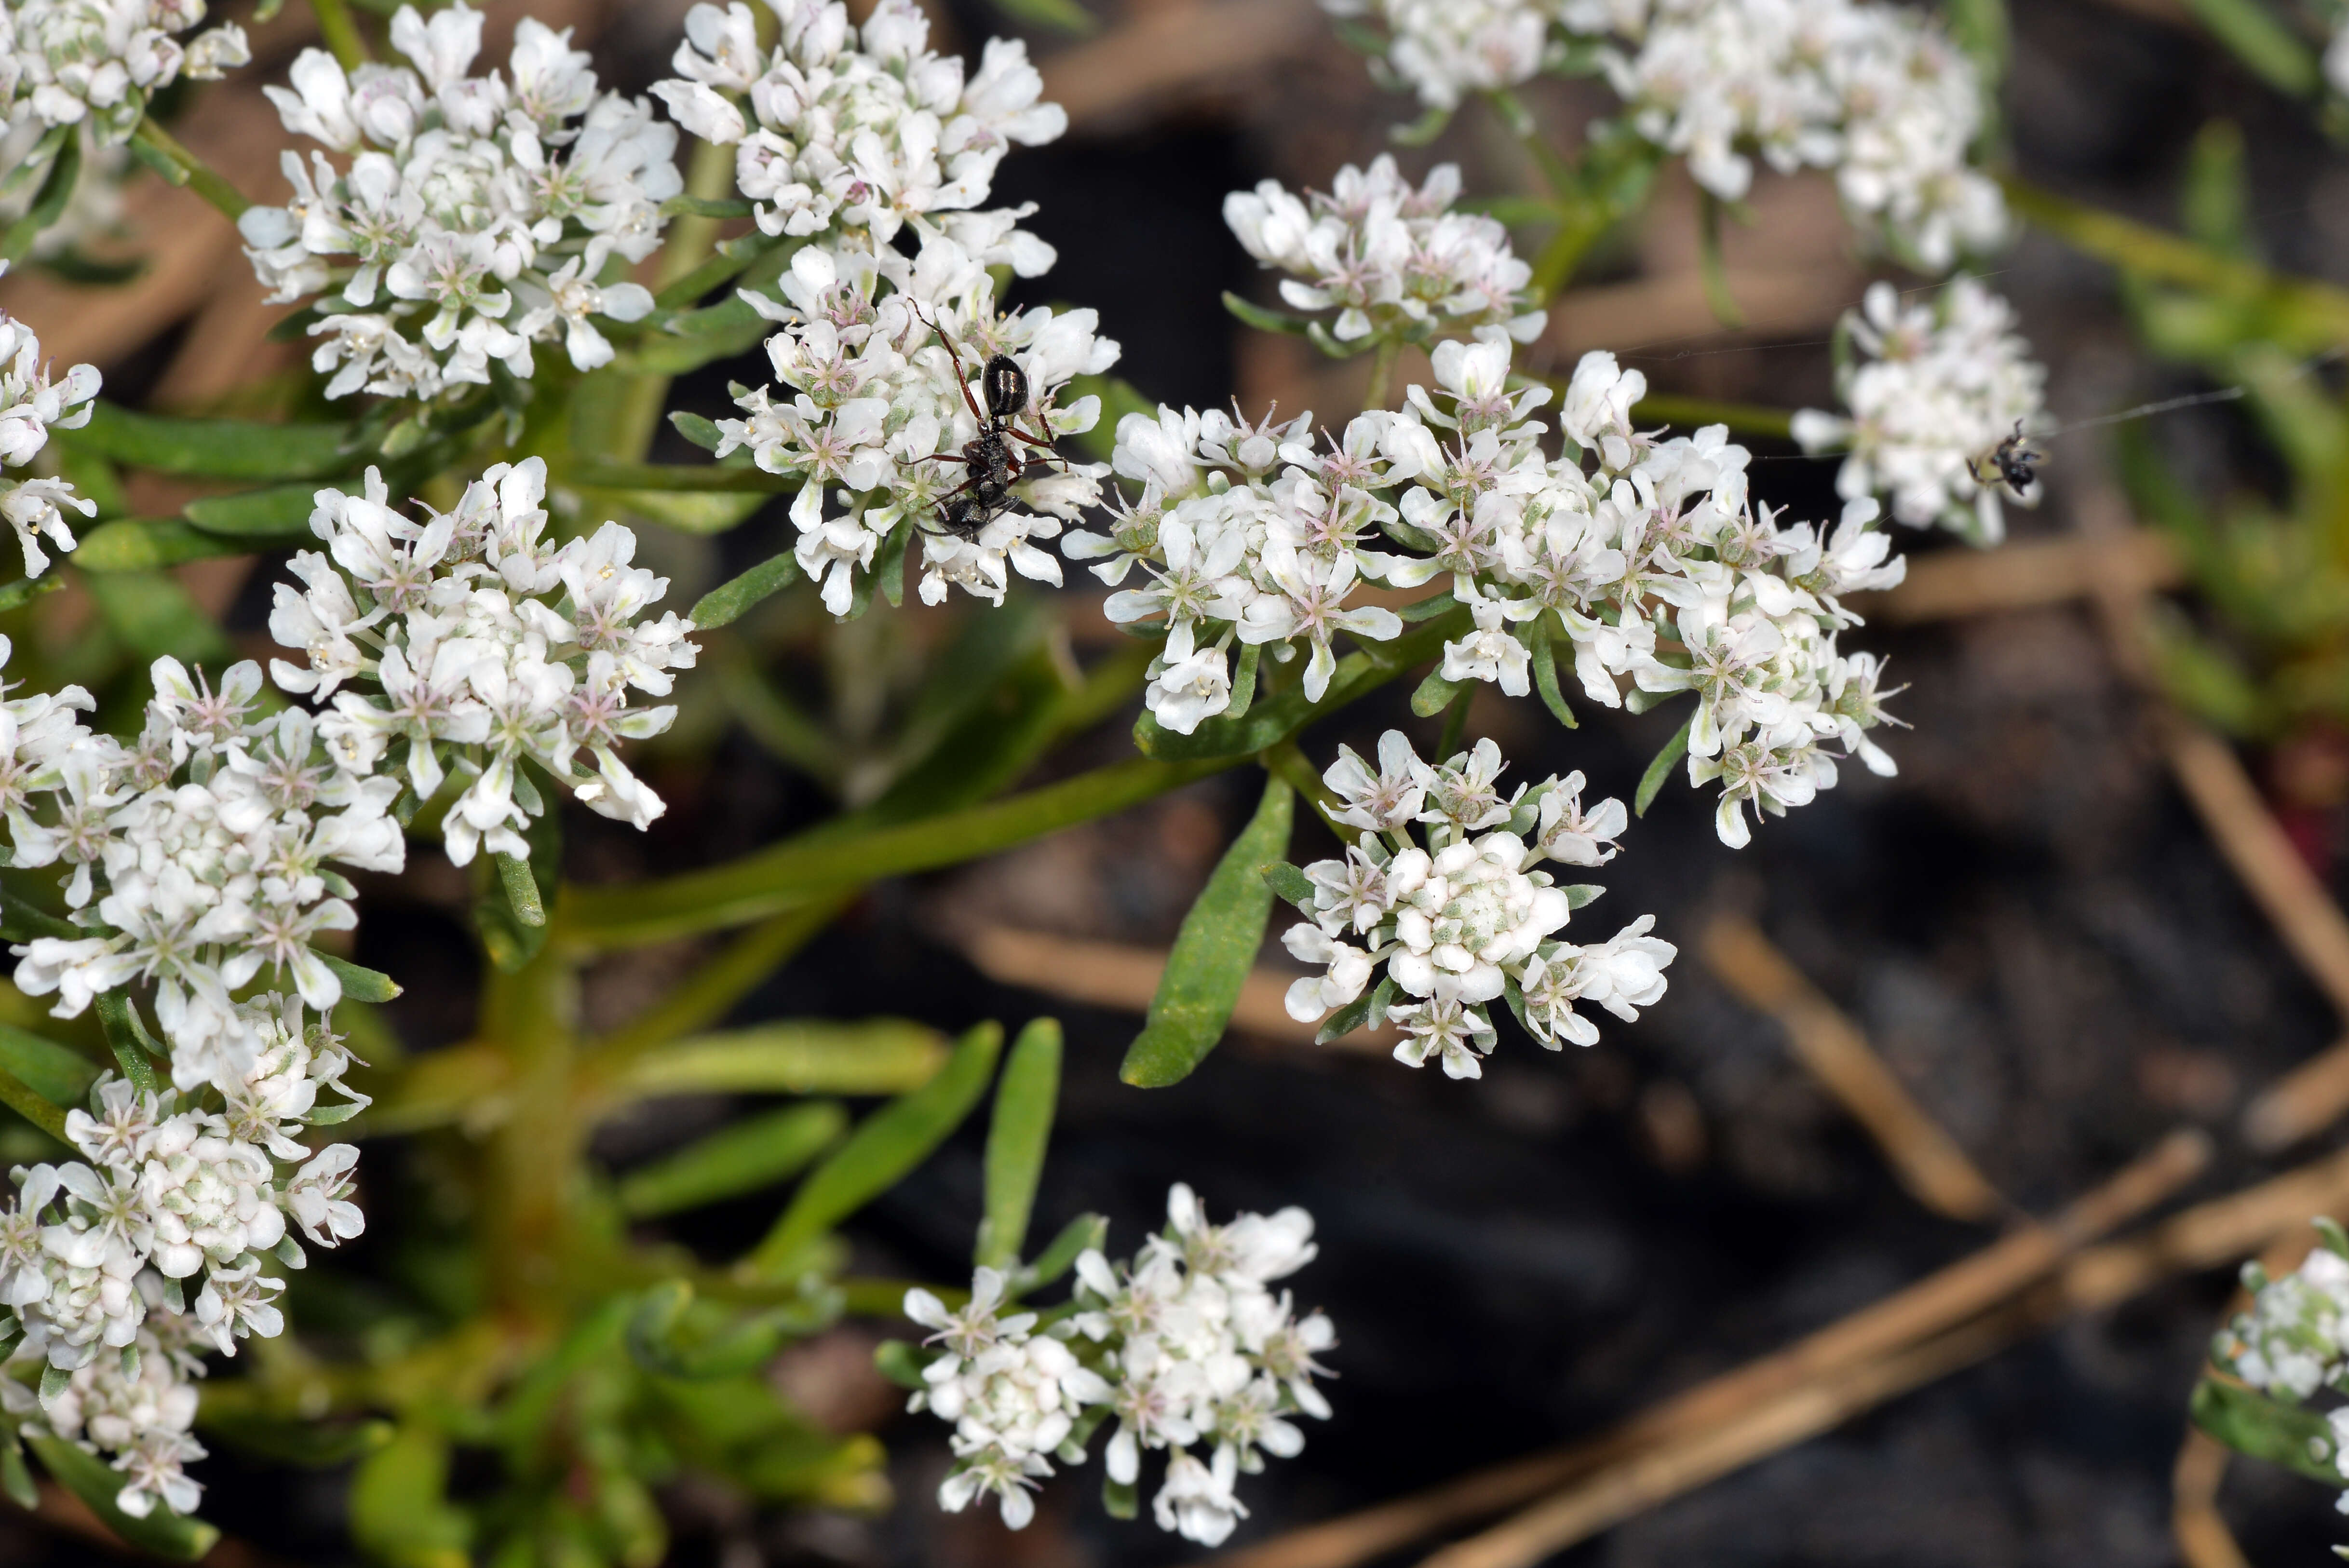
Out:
{"x": 194, "y": 857}
{"x": 860, "y": 132}
{"x": 1943, "y": 381}
{"x": 1871, "y": 90}
{"x": 197, "y": 1183}
{"x": 874, "y": 404}
{"x": 67, "y": 62}
{"x": 1254, "y": 535}
{"x": 32, "y": 405}
{"x": 476, "y": 217}
{"x": 94, "y": 210}
{"x": 2295, "y": 1339}
{"x": 1464, "y": 918}
{"x": 1186, "y": 1346}
{"x": 862, "y": 136}
{"x": 488, "y": 646}
{"x": 1392, "y": 260}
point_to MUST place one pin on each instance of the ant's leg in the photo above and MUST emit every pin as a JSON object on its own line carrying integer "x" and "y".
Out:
{"x": 943, "y": 457}
{"x": 955, "y": 349}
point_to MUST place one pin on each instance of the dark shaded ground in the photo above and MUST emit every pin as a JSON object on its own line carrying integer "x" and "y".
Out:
{"x": 2028, "y": 922}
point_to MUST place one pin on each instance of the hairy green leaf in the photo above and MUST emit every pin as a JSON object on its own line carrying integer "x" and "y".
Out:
{"x": 1017, "y": 1139}
{"x": 884, "y": 1146}
{"x": 2265, "y": 1428}
{"x": 97, "y": 1484}
{"x": 1652, "y": 783}
{"x": 1436, "y": 693}
{"x": 879, "y": 1056}
{"x": 1213, "y": 951}
{"x": 280, "y": 511}
{"x": 360, "y": 983}
{"x": 58, "y": 1074}
{"x": 728, "y": 602}
{"x": 702, "y": 433}
{"x": 127, "y": 1037}
{"x": 1545, "y": 663}
{"x": 1289, "y": 883}
{"x": 755, "y": 1152}
{"x": 214, "y": 448}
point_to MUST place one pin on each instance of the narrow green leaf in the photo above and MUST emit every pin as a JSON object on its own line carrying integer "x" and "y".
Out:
{"x": 152, "y": 613}
{"x": 728, "y": 602}
{"x": 359, "y": 984}
{"x": 21, "y": 921}
{"x": 58, "y": 1074}
{"x": 1427, "y": 608}
{"x": 97, "y": 1484}
{"x": 1120, "y": 1500}
{"x": 125, "y": 1035}
{"x": 901, "y": 1362}
{"x": 704, "y": 207}
{"x": 1084, "y": 1232}
{"x": 884, "y": 1146}
{"x": 522, "y": 889}
{"x": 1017, "y": 1139}
{"x": 1056, "y": 15}
{"x": 38, "y": 158}
{"x": 1213, "y": 951}
{"x": 15, "y": 1480}
{"x": 1289, "y": 883}
{"x": 1710, "y": 268}
{"x": 2298, "y": 1439}
{"x": 1435, "y": 694}
{"x": 702, "y": 433}
{"x": 1264, "y": 319}
{"x": 25, "y": 590}
{"x": 1545, "y": 663}
{"x": 802, "y": 1056}
{"x": 2256, "y": 37}
{"x": 1355, "y": 1013}
{"x": 310, "y": 1445}
{"x": 1244, "y": 672}
{"x": 215, "y": 449}
{"x": 1581, "y": 893}
{"x": 755, "y": 1152}
{"x": 146, "y": 543}
{"x": 279, "y": 512}
{"x": 22, "y": 1098}
{"x": 1653, "y": 781}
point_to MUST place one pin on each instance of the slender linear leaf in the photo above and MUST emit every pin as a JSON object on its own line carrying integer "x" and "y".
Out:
{"x": 126, "y": 1036}
{"x": 56, "y": 190}
{"x": 887, "y": 1145}
{"x": 279, "y": 512}
{"x": 146, "y": 543}
{"x": 1017, "y": 1139}
{"x": 1545, "y": 663}
{"x": 2250, "y": 1423}
{"x": 214, "y": 448}
{"x": 1060, "y": 1255}
{"x": 704, "y": 207}
{"x": 901, "y": 1362}
{"x": 776, "y": 877}
{"x": 153, "y": 614}
{"x": 25, "y": 590}
{"x": 1368, "y": 1008}
{"x": 1264, "y": 319}
{"x": 879, "y": 1056}
{"x": 58, "y": 1074}
{"x": 1057, "y": 16}
{"x": 34, "y": 1106}
{"x": 1289, "y": 883}
{"x": 311, "y": 1445}
{"x": 1652, "y": 783}
{"x": 97, "y": 1484}
{"x": 360, "y": 983}
{"x": 727, "y": 603}
{"x": 1436, "y": 693}
{"x": 2258, "y": 38}
{"x": 757, "y": 1151}
{"x": 1213, "y": 951}
{"x": 702, "y": 433}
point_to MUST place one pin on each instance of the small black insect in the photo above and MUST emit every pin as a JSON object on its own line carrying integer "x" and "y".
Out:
{"x": 2015, "y": 465}
{"x": 993, "y": 465}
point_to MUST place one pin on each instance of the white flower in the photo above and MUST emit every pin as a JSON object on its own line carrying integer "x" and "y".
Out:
{"x": 97, "y": 62}
{"x": 32, "y": 405}
{"x": 489, "y": 644}
{"x": 476, "y": 216}
{"x": 1390, "y": 258}
{"x": 2295, "y": 1340}
{"x": 1943, "y": 381}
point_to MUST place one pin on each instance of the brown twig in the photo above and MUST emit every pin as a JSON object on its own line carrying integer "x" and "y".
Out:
{"x": 2201, "y": 1237}
{"x": 1931, "y": 1307}
{"x": 1928, "y": 1160}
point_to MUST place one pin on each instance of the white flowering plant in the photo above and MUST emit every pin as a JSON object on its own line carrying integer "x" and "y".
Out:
{"x": 2289, "y": 1346}
{"x": 497, "y": 630}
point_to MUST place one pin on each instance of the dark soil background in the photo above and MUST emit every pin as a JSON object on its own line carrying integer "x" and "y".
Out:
{"x": 2028, "y": 922}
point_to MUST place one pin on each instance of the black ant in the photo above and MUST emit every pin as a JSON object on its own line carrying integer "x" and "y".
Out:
{"x": 989, "y": 458}
{"x": 2016, "y": 464}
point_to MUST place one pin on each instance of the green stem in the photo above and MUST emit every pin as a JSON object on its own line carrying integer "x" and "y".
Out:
{"x": 710, "y": 993}
{"x": 787, "y": 874}
{"x": 530, "y": 1015}
{"x": 341, "y": 33}
{"x": 1382, "y": 366}
{"x": 1287, "y": 761}
{"x": 689, "y": 242}
{"x": 1694, "y": 413}
{"x": 194, "y": 171}
{"x": 1711, "y": 268}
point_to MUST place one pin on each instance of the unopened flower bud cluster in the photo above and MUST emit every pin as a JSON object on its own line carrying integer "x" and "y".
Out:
{"x": 1443, "y": 890}
{"x": 119, "y": 1269}
{"x": 476, "y": 216}
{"x": 32, "y": 404}
{"x": 1933, "y": 385}
{"x": 854, "y": 137}
{"x": 1393, "y": 260}
{"x": 487, "y": 647}
{"x": 1257, "y": 536}
{"x": 1186, "y": 1348}
{"x": 97, "y": 62}
{"x": 1871, "y": 90}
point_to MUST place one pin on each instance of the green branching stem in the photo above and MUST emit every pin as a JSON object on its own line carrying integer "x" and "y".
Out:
{"x": 1695, "y": 413}
{"x": 531, "y": 1016}
{"x": 194, "y": 173}
{"x": 340, "y": 33}
{"x": 1382, "y": 364}
{"x": 691, "y": 241}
